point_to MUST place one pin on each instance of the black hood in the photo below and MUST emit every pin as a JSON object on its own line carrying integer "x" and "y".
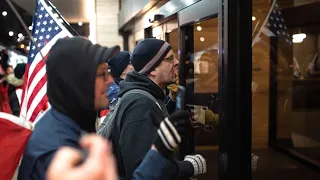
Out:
{"x": 71, "y": 72}
{"x": 135, "y": 80}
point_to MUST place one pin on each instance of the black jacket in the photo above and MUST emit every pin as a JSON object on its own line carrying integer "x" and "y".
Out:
{"x": 136, "y": 124}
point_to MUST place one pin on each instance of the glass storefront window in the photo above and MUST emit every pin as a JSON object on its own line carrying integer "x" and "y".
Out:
{"x": 201, "y": 41}
{"x": 285, "y": 84}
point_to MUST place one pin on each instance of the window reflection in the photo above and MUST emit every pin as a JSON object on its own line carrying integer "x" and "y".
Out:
{"x": 206, "y": 57}
{"x": 286, "y": 76}
{"x": 201, "y": 42}
{"x": 203, "y": 79}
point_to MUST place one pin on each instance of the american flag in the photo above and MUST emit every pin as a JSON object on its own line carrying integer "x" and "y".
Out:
{"x": 47, "y": 29}
{"x": 274, "y": 25}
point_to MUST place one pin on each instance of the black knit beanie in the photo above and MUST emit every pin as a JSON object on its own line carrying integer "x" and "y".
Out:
{"x": 119, "y": 63}
{"x": 148, "y": 54}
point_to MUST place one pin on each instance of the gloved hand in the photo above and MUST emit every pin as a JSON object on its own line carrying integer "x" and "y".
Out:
{"x": 170, "y": 131}
{"x": 198, "y": 162}
{"x": 173, "y": 91}
{"x": 254, "y": 161}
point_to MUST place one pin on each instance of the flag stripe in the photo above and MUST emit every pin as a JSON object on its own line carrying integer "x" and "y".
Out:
{"x": 47, "y": 29}
{"x": 34, "y": 92}
{"x": 38, "y": 104}
{"x": 36, "y": 75}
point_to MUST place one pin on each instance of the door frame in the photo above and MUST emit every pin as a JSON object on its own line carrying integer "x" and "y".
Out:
{"x": 235, "y": 77}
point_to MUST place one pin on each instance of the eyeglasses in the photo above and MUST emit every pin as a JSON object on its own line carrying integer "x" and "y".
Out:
{"x": 104, "y": 74}
{"x": 170, "y": 59}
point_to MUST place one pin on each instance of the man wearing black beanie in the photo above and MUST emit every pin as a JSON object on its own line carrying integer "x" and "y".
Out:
{"x": 120, "y": 66}
{"x": 139, "y": 114}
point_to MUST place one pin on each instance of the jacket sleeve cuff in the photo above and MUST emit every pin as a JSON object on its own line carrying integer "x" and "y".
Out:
{"x": 151, "y": 167}
{"x": 186, "y": 169}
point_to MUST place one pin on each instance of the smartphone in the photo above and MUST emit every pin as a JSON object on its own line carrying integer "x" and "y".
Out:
{"x": 180, "y": 102}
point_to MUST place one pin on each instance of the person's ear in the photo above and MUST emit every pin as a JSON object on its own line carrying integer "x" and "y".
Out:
{"x": 153, "y": 73}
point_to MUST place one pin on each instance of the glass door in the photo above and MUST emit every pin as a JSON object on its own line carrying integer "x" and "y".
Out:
{"x": 201, "y": 81}
{"x": 216, "y": 70}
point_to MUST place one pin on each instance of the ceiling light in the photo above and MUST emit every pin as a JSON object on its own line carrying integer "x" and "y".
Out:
{"x": 253, "y": 18}
{"x": 30, "y": 28}
{"x": 298, "y": 38}
{"x": 28, "y": 48}
{"x": 20, "y": 35}
{"x": 20, "y": 39}
{"x": 80, "y": 23}
{"x": 11, "y": 33}
{"x": 4, "y": 13}
{"x": 199, "y": 28}
{"x": 202, "y": 39}
{"x": 22, "y": 46}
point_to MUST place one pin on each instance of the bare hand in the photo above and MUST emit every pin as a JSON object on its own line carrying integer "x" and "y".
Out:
{"x": 99, "y": 165}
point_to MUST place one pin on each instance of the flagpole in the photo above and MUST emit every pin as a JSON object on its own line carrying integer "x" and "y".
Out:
{"x": 23, "y": 25}
{"x": 264, "y": 23}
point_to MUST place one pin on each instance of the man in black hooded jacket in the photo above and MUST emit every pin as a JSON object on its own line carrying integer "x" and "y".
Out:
{"x": 138, "y": 116}
{"x": 77, "y": 81}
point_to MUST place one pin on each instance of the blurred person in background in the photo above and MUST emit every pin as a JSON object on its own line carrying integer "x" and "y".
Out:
{"x": 15, "y": 97}
{"x": 120, "y": 66}
{"x": 5, "y": 70}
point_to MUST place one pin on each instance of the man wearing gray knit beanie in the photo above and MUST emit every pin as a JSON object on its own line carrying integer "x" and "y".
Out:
{"x": 141, "y": 118}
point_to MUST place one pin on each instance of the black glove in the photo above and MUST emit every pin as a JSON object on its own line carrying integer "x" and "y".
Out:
{"x": 170, "y": 131}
